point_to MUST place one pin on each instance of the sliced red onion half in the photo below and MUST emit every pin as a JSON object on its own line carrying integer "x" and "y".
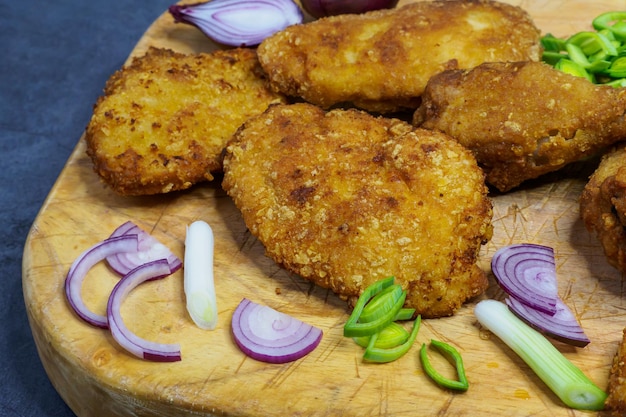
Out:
{"x": 561, "y": 326}
{"x": 136, "y": 345}
{"x": 528, "y": 272}
{"x": 81, "y": 266}
{"x": 150, "y": 249}
{"x": 270, "y": 336}
{"x": 239, "y": 22}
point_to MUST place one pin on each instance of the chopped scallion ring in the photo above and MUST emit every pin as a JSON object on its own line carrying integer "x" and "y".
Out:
{"x": 392, "y": 335}
{"x": 373, "y": 353}
{"x": 454, "y": 357}
{"x": 381, "y": 303}
{"x": 373, "y": 326}
{"x": 353, "y": 328}
{"x": 589, "y": 54}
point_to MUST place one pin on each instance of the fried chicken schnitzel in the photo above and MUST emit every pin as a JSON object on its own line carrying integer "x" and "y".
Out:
{"x": 164, "y": 119}
{"x": 603, "y": 205}
{"x": 345, "y": 199}
{"x": 524, "y": 119}
{"x": 380, "y": 61}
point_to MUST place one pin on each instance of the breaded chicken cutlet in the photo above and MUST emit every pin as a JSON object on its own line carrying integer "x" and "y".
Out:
{"x": 603, "y": 205}
{"x": 523, "y": 119}
{"x": 616, "y": 400}
{"x": 345, "y": 199}
{"x": 380, "y": 61}
{"x": 163, "y": 120}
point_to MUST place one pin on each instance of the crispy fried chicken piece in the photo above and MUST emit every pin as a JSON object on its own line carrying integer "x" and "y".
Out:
{"x": 523, "y": 119}
{"x": 616, "y": 400}
{"x": 164, "y": 119}
{"x": 380, "y": 61}
{"x": 345, "y": 199}
{"x": 603, "y": 205}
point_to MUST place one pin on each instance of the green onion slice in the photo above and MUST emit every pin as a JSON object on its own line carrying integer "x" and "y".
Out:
{"x": 391, "y": 336}
{"x": 381, "y": 303}
{"x": 591, "y": 43}
{"x": 568, "y": 382}
{"x": 381, "y": 355}
{"x": 454, "y": 357}
{"x": 405, "y": 314}
{"x": 552, "y": 43}
{"x": 615, "y": 22}
{"x": 594, "y": 55}
{"x": 356, "y": 328}
{"x": 573, "y": 68}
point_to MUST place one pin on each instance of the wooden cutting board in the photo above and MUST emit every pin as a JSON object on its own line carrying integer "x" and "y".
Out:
{"x": 97, "y": 378}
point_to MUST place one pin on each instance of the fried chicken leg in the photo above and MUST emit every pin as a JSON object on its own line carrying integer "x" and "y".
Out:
{"x": 522, "y": 120}
{"x": 603, "y": 205}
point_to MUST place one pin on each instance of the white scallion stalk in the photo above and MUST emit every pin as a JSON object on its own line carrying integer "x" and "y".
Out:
{"x": 198, "y": 275}
{"x": 567, "y": 381}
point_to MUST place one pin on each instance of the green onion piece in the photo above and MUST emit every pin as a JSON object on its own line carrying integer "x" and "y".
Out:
{"x": 369, "y": 292}
{"x": 591, "y": 43}
{"x": 567, "y": 381}
{"x": 617, "y": 83}
{"x": 571, "y": 67}
{"x": 454, "y": 357}
{"x": 612, "y": 21}
{"x": 391, "y": 336}
{"x": 356, "y": 329}
{"x": 376, "y": 354}
{"x": 618, "y": 68}
{"x": 552, "y": 43}
{"x": 404, "y": 314}
{"x": 381, "y": 303}
{"x": 577, "y": 55}
{"x": 551, "y": 57}
{"x": 589, "y": 54}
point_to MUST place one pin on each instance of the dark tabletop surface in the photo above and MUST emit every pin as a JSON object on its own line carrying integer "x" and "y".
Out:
{"x": 56, "y": 57}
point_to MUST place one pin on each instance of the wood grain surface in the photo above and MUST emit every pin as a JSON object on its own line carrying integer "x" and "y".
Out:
{"x": 98, "y": 378}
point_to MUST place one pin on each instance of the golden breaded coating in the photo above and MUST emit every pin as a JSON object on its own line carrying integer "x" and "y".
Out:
{"x": 345, "y": 199}
{"x": 522, "y": 119}
{"x": 603, "y": 205}
{"x": 616, "y": 400}
{"x": 380, "y": 61}
{"x": 163, "y": 120}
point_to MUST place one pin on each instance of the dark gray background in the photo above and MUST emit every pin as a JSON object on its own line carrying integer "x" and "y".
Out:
{"x": 56, "y": 57}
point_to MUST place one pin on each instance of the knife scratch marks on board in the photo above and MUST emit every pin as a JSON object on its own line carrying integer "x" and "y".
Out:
{"x": 329, "y": 349}
{"x": 385, "y": 394}
{"x": 356, "y": 392}
{"x": 443, "y": 411}
{"x": 283, "y": 373}
{"x": 588, "y": 305}
{"x": 243, "y": 360}
{"x": 510, "y": 222}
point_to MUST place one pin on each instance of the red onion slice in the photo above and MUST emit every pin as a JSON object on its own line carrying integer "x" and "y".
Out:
{"x": 270, "y": 336}
{"x": 239, "y": 22}
{"x": 128, "y": 340}
{"x": 561, "y": 326}
{"x": 528, "y": 272}
{"x": 150, "y": 249}
{"x": 81, "y": 266}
